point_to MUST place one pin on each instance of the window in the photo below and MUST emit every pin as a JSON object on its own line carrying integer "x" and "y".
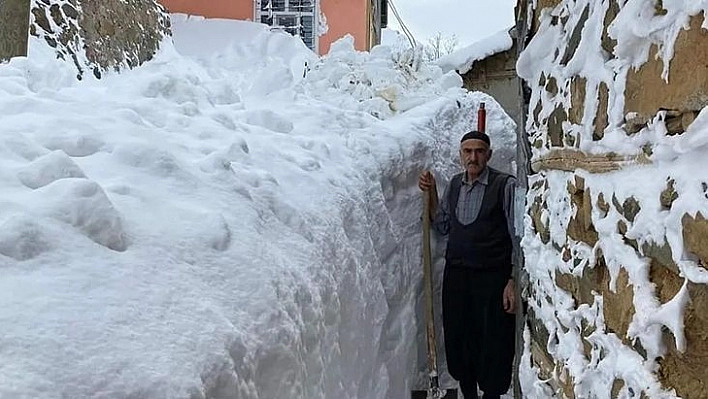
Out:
{"x": 297, "y": 17}
{"x": 308, "y": 30}
{"x": 302, "y": 5}
{"x": 266, "y": 19}
{"x": 275, "y": 5}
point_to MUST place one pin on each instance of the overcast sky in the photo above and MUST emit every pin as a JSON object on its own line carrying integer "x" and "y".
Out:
{"x": 470, "y": 20}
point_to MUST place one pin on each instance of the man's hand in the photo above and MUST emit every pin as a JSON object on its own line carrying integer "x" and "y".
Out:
{"x": 509, "y": 297}
{"x": 426, "y": 181}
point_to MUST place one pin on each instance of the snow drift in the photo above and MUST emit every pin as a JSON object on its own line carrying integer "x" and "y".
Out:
{"x": 234, "y": 219}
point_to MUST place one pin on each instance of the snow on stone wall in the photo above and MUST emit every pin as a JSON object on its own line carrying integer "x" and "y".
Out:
{"x": 98, "y": 36}
{"x": 616, "y": 231}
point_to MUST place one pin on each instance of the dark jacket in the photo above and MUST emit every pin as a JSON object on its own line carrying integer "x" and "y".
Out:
{"x": 484, "y": 243}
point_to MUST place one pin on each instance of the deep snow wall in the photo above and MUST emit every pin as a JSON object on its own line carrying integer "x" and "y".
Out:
{"x": 616, "y": 231}
{"x": 363, "y": 323}
{"x": 219, "y": 224}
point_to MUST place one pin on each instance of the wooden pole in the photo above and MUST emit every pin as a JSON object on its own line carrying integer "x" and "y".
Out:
{"x": 434, "y": 391}
{"x": 428, "y": 286}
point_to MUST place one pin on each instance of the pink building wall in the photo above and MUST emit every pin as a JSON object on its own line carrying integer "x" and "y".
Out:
{"x": 229, "y": 9}
{"x": 343, "y": 16}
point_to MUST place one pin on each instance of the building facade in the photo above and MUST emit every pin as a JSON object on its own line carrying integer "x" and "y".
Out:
{"x": 318, "y": 22}
{"x": 496, "y": 76}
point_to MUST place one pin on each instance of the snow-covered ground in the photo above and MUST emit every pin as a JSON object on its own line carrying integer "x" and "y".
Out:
{"x": 213, "y": 224}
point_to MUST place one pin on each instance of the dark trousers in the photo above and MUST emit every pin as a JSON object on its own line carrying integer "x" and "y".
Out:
{"x": 479, "y": 335}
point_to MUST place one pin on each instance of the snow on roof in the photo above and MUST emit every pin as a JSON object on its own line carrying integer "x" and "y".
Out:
{"x": 462, "y": 60}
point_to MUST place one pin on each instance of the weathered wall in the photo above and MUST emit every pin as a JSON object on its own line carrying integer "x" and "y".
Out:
{"x": 101, "y": 35}
{"x": 212, "y": 9}
{"x": 343, "y": 17}
{"x": 496, "y": 76}
{"x": 14, "y": 26}
{"x": 616, "y": 244}
{"x": 346, "y": 17}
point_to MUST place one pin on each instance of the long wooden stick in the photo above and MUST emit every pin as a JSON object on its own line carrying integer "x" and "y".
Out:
{"x": 428, "y": 292}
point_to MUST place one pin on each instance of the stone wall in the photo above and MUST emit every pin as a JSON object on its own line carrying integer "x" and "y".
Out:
{"x": 14, "y": 25}
{"x": 616, "y": 244}
{"x": 98, "y": 36}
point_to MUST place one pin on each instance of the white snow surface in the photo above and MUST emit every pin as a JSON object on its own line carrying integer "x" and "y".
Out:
{"x": 214, "y": 224}
{"x": 463, "y": 59}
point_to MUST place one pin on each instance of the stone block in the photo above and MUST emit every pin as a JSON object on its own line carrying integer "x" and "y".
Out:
{"x": 575, "y": 37}
{"x": 695, "y": 236}
{"x": 577, "y": 100}
{"x": 538, "y": 331}
{"x": 687, "y": 89}
{"x": 602, "y": 204}
{"x": 540, "y": 6}
{"x": 580, "y": 227}
{"x": 661, "y": 254}
{"x": 608, "y": 43}
{"x": 542, "y": 360}
{"x": 601, "y": 120}
{"x": 581, "y": 288}
{"x": 542, "y": 229}
{"x": 669, "y": 195}
{"x": 552, "y": 86}
{"x": 618, "y": 306}
{"x": 14, "y": 28}
{"x": 555, "y": 126}
{"x": 686, "y": 371}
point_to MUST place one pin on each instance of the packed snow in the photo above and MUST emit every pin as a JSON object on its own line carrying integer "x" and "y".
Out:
{"x": 463, "y": 59}
{"x": 235, "y": 219}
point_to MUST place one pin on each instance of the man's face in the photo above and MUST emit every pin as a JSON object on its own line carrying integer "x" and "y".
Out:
{"x": 474, "y": 155}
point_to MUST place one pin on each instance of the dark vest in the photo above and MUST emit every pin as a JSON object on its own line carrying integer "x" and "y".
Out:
{"x": 484, "y": 243}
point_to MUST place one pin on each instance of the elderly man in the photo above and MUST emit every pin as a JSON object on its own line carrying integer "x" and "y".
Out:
{"x": 476, "y": 211}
